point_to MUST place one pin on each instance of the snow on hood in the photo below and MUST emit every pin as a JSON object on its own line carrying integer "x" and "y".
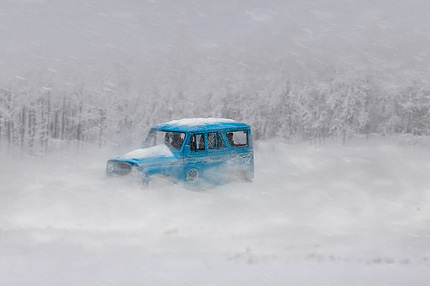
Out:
{"x": 150, "y": 152}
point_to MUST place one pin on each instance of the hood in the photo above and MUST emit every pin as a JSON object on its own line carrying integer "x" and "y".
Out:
{"x": 155, "y": 152}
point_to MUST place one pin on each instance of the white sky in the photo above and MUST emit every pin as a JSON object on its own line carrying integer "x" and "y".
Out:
{"x": 53, "y": 35}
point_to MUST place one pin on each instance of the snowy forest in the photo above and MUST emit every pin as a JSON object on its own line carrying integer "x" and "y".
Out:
{"x": 302, "y": 78}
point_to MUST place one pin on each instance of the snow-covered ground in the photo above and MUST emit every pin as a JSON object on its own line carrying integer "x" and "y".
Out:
{"x": 315, "y": 215}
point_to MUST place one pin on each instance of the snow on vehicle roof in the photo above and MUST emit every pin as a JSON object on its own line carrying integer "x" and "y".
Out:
{"x": 199, "y": 121}
{"x": 192, "y": 124}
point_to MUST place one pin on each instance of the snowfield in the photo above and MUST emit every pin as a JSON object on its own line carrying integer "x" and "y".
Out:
{"x": 326, "y": 214}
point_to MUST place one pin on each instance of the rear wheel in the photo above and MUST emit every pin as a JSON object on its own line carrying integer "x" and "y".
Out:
{"x": 192, "y": 175}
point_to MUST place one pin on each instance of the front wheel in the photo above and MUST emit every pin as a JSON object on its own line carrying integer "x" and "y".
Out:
{"x": 144, "y": 181}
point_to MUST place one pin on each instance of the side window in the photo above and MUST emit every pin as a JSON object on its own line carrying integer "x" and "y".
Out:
{"x": 197, "y": 142}
{"x": 237, "y": 139}
{"x": 215, "y": 141}
{"x": 212, "y": 141}
{"x": 174, "y": 140}
{"x": 220, "y": 141}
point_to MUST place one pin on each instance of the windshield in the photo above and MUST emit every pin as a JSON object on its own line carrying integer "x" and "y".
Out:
{"x": 173, "y": 140}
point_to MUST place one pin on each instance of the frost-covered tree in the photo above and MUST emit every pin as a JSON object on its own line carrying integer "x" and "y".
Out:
{"x": 413, "y": 106}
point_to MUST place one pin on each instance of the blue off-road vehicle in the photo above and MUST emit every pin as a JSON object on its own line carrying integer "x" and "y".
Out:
{"x": 197, "y": 151}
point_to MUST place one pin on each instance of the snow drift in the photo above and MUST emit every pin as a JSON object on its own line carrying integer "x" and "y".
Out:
{"x": 315, "y": 215}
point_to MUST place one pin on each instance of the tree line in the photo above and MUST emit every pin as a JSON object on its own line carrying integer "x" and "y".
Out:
{"x": 39, "y": 118}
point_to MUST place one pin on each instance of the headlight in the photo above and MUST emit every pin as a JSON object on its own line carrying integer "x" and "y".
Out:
{"x": 110, "y": 167}
{"x": 134, "y": 170}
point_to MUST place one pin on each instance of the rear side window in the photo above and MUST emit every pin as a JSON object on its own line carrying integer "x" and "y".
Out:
{"x": 237, "y": 139}
{"x": 220, "y": 141}
{"x": 212, "y": 141}
{"x": 197, "y": 142}
{"x": 215, "y": 141}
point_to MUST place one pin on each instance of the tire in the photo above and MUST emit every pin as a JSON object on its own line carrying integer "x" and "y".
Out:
{"x": 144, "y": 181}
{"x": 192, "y": 175}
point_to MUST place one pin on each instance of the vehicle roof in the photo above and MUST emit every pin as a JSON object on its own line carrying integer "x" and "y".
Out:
{"x": 201, "y": 124}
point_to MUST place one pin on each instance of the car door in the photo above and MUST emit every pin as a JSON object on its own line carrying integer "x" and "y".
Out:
{"x": 217, "y": 158}
{"x": 195, "y": 157}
